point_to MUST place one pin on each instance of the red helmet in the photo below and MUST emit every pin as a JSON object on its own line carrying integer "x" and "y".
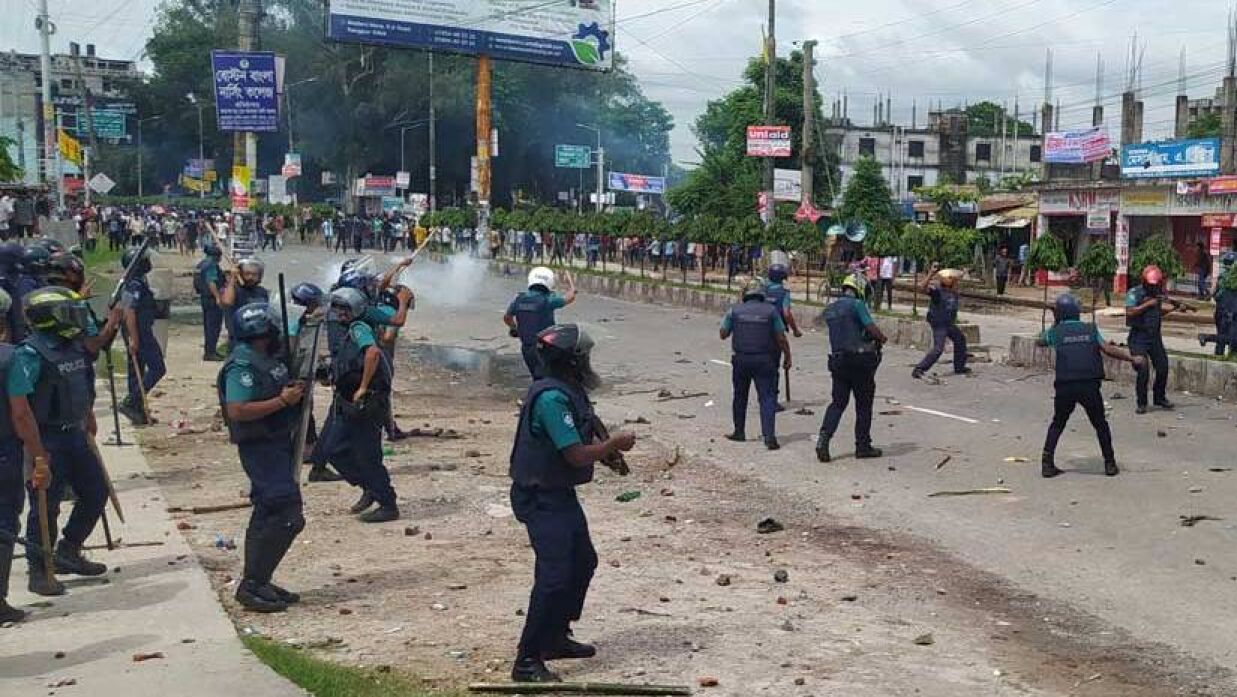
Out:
{"x": 1153, "y": 276}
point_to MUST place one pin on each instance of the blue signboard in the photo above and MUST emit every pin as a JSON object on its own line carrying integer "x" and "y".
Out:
{"x": 246, "y": 93}
{"x": 637, "y": 183}
{"x": 1174, "y": 158}
{"x": 570, "y": 33}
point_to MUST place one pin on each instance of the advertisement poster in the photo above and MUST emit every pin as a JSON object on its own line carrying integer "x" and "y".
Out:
{"x": 568, "y": 33}
{"x": 241, "y": 177}
{"x": 1176, "y": 158}
{"x": 768, "y": 141}
{"x": 1076, "y": 147}
{"x": 637, "y": 183}
{"x": 291, "y": 165}
{"x": 246, "y": 91}
{"x": 787, "y": 185}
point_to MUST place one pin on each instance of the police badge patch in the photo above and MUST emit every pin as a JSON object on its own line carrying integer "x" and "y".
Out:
{"x": 246, "y": 379}
{"x": 569, "y": 420}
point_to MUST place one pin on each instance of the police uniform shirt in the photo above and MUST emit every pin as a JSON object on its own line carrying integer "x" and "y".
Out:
{"x": 1052, "y": 337}
{"x": 239, "y": 382}
{"x": 552, "y": 420}
{"x": 380, "y": 315}
{"x": 556, "y": 301}
{"x": 779, "y": 324}
{"x": 24, "y": 372}
{"x": 362, "y": 335}
{"x": 210, "y": 275}
{"x": 784, "y": 305}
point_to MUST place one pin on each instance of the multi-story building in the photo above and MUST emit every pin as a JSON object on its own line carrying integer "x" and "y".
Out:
{"x": 914, "y": 157}
{"x": 77, "y": 77}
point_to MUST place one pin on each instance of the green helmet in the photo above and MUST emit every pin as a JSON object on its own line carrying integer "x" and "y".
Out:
{"x": 58, "y": 311}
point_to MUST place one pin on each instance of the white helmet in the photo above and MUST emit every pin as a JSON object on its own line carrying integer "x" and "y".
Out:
{"x": 541, "y": 276}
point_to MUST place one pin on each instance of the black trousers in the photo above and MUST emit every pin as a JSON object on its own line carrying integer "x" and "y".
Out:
{"x": 1084, "y": 393}
{"x": 565, "y": 563}
{"x": 761, "y": 370}
{"x": 939, "y": 335}
{"x": 1153, "y": 349}
{"x": 853, "y": 374}
{"x": 885, "y": 288}
{"x": 1001, "y": 282}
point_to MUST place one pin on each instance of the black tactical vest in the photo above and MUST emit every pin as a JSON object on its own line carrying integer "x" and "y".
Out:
{"x": 349, "y": 365}
{"x": 532, "y": 315}
{"x": 65, "y": 390}
{"x": 752, "y": 330}
{"x": 145, "y": 304}
{"x": 535, "y": 462}
{"x": 6, "y": 417}
{"x": 846, "y": 332}
{"x": 1078, "y": 354}
{"x": 1146, "y": 325}
{"x": 270, "y": 377}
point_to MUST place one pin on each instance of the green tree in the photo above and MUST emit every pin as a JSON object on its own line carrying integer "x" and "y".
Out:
{"x": 1156, "y": 250}
{"x": 1047, "y": 254}
{"x": 867, "y": 199}
{"x": 1209, "y": 125}
{"x": 1097, "y": 266}
{"x": 917, "y": 243}
{"x": 9, "y": 171}
{"x": 984, "y": 120}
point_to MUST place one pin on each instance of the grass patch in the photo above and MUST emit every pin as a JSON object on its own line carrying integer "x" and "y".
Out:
{"x": 102, "y": 259}
{"x": 325, "y": 679}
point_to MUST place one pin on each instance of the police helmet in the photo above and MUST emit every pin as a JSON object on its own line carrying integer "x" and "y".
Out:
{"x": 256, "y": 320}
{"x": 567, "y": 349}
{"x": 348, "y": 300}
{"x": 778, "y": 273}
{"x": 130, "y": 257}
{"x": 541, "y": 276}
{"x": 34, "y": 259}
{"x": 1067, "y": 307}
{"x": 65, "y": 269}
{"x": 77, "y": 251}
{"x": 356, "y": 279}
{"x": 1152, "y": 275}
{"x": 211, "y": 249}
{"x": 51, "y": 245}
{"x": 56, "y": 310}
{"x": 10, "y": 254}
{"x": 755, "y": 288}
{"x": 1228, "y": 259}
{"x": 307, "y": 294}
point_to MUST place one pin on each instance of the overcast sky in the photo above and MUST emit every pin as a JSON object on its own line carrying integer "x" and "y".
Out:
{"x": 924, "y": 51}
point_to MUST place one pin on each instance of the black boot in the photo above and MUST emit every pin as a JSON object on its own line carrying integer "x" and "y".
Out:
{"x": 532, "y": 670}
{"x": 8, "y": 613}
{"x": 381, "y": 514}
{"x": 569, "y": 648}
{"x": 1165, "y": 404}
{"x": 867, "y": 452}
{"x": 737, "y": 437}
{"x": 1048, "y": 467}
{"x": 69, "y": 560}
{"x": 258, "y": 598}
{"x": 320, "y": 473}
{"x": 283, "y": 594}
{"x": 822, "y": 450}
{"x": 133, "y": 413}
{"x": 1110, "y": 468}
{"x": 42, "y": 584}
{"x": 772, "y": 444}
{"x": 362, "y": 504}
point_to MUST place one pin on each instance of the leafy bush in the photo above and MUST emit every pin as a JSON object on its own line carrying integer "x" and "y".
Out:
{"x": 1047, "y": 254}
{"x": 1157, "y": 251}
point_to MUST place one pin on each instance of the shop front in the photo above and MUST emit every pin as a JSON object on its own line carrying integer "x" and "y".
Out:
{"x": 1192, "y": 216}
{"x": 1078, "y": 217}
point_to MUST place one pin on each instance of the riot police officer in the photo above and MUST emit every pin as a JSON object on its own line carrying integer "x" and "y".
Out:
{"x": 145, "y": 355}
{"x": 554, "y": 452}
{"x": 943, "y": 304}
{"x": 12, "y": 475}
{"x": 31, "y": 270}
{"x": 362, "y": 380}
{"x": 10, "y": 264}
{"x": 309, "y": 297}
{"x": 1080, "y": 353}
{"x": 390, "y": 300}
{"x": 778, "y": 295}
{"x": 854, "y": 355}
{"x": 1225, "y": 337}
{"x": 259, "y": 402}
{"x": 532, "y": 311}
{"x": 243, "y": 287}
{"x": 208, "y": 284}
{"x": 51, "y": 388}
{"x": 758, "y": 336}
{"x": 1144, "y": 315}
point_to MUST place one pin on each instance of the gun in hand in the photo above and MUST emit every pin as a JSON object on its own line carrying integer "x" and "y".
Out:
{"x": 1181, "y": 306}
{"x": 615, "y": 461}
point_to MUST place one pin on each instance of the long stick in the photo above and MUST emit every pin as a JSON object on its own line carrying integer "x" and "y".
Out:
{"x": 140, "y": 379}
{"x": 107, "y": 479}
{"x": 107, "y": 531}
{"x": 45, "y": 536}
{"x": 283, "y": 312}
{"x": 307, "y": 407}
{"x": 579, "y": 688}
{"x": 786, "y": 372}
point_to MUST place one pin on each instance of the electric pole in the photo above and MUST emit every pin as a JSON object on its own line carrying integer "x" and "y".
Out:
{"x": 51, "y": 144}
{"x": 245, "y": 145}
{"x": 808, "y": 155}
{"x": 433, "y": 129}
{"x": 770, "y": 102}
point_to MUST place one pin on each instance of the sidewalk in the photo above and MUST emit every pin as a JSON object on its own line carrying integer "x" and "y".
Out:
{"x": 157, "y": 600}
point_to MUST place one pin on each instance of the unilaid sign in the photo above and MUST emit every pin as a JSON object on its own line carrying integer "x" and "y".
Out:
{"x": 768, "y": 141}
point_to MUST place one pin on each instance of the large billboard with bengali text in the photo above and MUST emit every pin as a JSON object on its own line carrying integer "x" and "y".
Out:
{"x": 246, "y": 91}
{"x": 567, "y": 33}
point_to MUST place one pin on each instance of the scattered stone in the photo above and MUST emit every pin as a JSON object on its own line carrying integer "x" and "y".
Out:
{"x": 615, "y": 563}
{"x": 1161, "y": 434}
{"x": 1200, "y": 562}
{"x": 457, "y": 586}
{"x": 140, "y": 657}
{"x": 1196, "y": 490}
{"x": 804, "y": 411}
{"x": 707, "y": 681}
{"x": 438, "y": 606}
{"x": 667, "y": 492}
{"x": 769, "y": 526}
{"x": 640, "y": 420}
{"x": 800, "y": 681}
{"x": 1117, "y": 395}
{"x": 786, "y": 626}
{"x": 924, "y": 640}
{"x": 63, "y": 682}
{"x": 428, "y": 536}
{"x": 188, "y": 640}
{"x": 856, "y": 497}
{"x": 472, "y": 453}
{"x": 627, "y": 496}
{"x": 723, "y": 580}
{"x": 58, "y": 655}
{"x": 412, "y": 531}
{"x": 781, "y": 576}
{"x": 781, "y": 600}
{"x": 185, "y": 525}
{"x": 345, "y": 611}
{"x": 849, "y": 598}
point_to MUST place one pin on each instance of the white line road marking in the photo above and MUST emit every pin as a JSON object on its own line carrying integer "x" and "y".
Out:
{"x": 942, "y": 414}
{"x": 714, "y": 360}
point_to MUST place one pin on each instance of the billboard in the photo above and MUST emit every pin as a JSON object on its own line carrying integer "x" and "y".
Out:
{"x": 768, "y": 141}
{"x": 568, "y": 33}
{"x": 246, "y": 91}
{"x": 1076, "y": 147}
{"x": 787, "y": 185}
{"x": 637, "y": 183}
{"x": 1174, "y": 158}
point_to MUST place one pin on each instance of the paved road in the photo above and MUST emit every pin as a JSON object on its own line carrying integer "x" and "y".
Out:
{"x": 1109, "y": 548}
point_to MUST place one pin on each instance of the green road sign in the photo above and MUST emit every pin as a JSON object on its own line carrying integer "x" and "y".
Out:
{"x": 573, "y": 156}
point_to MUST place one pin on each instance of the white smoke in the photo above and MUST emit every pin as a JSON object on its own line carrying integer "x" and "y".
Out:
{"x": 456, "y": 283}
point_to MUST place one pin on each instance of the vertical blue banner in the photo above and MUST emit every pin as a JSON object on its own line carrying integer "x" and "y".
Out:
{"x": 246, "y": 93}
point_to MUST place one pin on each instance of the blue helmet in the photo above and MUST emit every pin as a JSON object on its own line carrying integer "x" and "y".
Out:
{"x": 211, "y": 249}
{"x": 10, "y": 254}
{"x": 256, "y": 320}
{"x": 358, "y": 280}
{"x": 306, "y": 294}
{"x": 1228, "y": 259}
{"x": 349, "y": 301}
{"x": 35, "y": 259}
{"x": 778, "y": 273}
{"x": 1067, "y": 307}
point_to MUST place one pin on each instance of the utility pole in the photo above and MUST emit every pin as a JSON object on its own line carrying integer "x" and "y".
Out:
{"x": 808, "y": 155}
{"x": 770, "y": 102}
{"x": 51, "y": 149}
{"x": 433, "y": 128}
{"x": 484, "y": 125}
{"x": 244, "y": 145}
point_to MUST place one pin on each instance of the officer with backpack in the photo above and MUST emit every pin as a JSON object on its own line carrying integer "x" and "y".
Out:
{"x": 1080, "y": 351}
{"x": 532, "y": 311}
{"x": 758, "y": 337}
{"x": 208, "y": 284}
{"x": 259, "y": 401}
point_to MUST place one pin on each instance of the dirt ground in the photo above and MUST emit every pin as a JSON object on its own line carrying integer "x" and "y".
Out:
{"x": 685, "y": 589}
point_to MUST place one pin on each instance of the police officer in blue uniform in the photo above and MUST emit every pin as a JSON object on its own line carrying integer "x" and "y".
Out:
{"x": 145, "y": 355}
{"x": 10, "y": 275}
{"x": 1144, "y": 315}
{"x": 1080, "y": 355}
{"x": 243, "y": 287}
{"x": 943, "y": 303}
{"x": 556, "y": 446}
{"x": 31, "y": 270}
{"x": 778, "y": 295}
{"x": 259, "y": 401}
{"x": 854, "y": 355}
{"x": 50, "y": 388}
{"x": 362, "y": 380}
{"x": 1225, "y": 337}
{"x": 12, "y": 474}
{"x": 532, "y": 311}
{"x": 758, "y": 336}
{"x": 208, "y": 284}
{"x": 388, "y": 335}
